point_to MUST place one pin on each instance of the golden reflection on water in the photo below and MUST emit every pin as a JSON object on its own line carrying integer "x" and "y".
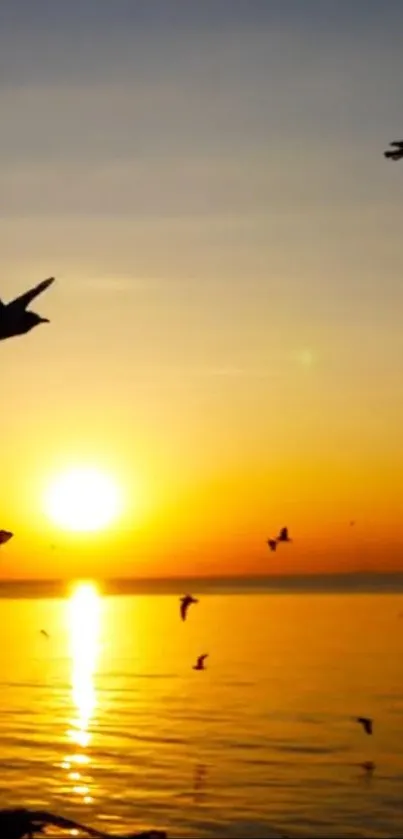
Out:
{"x": 84, "y": 626}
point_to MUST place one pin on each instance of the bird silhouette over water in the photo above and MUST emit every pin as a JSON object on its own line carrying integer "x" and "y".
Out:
{"x": 15, "y": 318}
{"x": 186, "y": 601}
{"x": 283, "y": 535}
{"x": 366, "y": 723}
{"x": 397, "y": 152}
{"x": 200, "y": 662}
{"x": 272, "y": 543}
{"x": 368, "y": 766}
{"x": 5, "y": 536}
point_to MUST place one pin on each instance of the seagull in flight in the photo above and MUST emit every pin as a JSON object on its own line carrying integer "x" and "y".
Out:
{"x": 368, "y": 766}
{"x": 283, "y": 535}
{"x": 366, "y": 723}
{"x": 272, "y": 543}
{"x": 186, "y": 601}
{"x": 5, "y": 535}
{"x": 397, "y": 152}
{"x": 15, "y": 318}
{"x": 200, "y": 662}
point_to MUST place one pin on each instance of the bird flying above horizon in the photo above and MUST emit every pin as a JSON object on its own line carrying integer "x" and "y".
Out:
{"x": 5, "y": 536}
{"x": 366, "y": 723}
{"x": 397, "y": 152}
{"x": 272, "y": 543}
{"x": 283, "y": 535}
{"x": 15, "y": 318}
{"x": 200, "y": 662}
{"x": 186, "y": 601}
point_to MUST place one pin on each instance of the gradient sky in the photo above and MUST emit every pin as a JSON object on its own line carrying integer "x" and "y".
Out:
{"x": 206, "y": 181}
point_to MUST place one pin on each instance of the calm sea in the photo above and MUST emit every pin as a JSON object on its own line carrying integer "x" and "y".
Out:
{"x": 106, "y": 722}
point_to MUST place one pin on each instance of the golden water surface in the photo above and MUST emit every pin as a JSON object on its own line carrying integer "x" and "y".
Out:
{"x": 105, "y": 720}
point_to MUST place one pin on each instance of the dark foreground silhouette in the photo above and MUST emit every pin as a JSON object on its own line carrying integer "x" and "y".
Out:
{"x": 15, "y": 319}
{"x": 25, "y": 824}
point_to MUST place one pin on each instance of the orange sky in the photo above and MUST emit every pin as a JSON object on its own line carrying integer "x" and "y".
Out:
{"x": 225, "y": 336}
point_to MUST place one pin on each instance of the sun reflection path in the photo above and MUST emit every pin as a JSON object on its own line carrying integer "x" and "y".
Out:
{"x": 84, "y": 626}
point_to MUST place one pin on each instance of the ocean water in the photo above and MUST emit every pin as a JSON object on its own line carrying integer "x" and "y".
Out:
{"x": 106, "y": 722}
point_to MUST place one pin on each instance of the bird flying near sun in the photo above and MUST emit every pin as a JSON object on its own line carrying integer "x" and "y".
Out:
{"x": 83, "y": 499}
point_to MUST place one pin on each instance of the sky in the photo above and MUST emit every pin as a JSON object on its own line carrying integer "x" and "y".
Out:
{"x": 207, "y": 183}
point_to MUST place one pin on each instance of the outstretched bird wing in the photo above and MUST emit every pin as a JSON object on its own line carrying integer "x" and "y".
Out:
{"x": 25, "y": 299}
{"x": 397, "y": 143}
{"x": 5, "y": 535}
{"x": 283, "y": 535}
{"x": 202, "y": 658}
{"x": 394, "y": 155}
{"x": 272, "y": 543}
{"x": 184, "y": 607}
{"x": 21, "y": 822}
{"x": 366, "y": 724}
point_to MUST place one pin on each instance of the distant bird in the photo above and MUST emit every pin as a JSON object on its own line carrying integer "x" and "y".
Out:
{"x": 397, "y": 153}
{"x": 352, "y": 523}
{"x": 200, "y": 662}
{"x": 283, "y": 535}
{"x": 5, "y": 535}
{"x": 45, "y": 634}
{"x": 272, "y": 543}
{"x": 368, "y": 766}
{"x": 15, "y": 319}
{"x": 366, "y": 723}
{"x": 186, "y": 601}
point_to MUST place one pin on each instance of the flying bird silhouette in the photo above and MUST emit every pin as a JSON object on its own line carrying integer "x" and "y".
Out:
{"x": 5, "y": 535}
{"x": 272, "y": 543}
{"x": 283, "y": 535}
{"x": 200, "y": 662}
{"x": 368, "y": 766}
{"x": 15, "y": 319}
{"x": 44, "y": 633}
{"x": 397, "y": 152}
{"x": 366, "y": 723}
{"x": 186, "y": 601}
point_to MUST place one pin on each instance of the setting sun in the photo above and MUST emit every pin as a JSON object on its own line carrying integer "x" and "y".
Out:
{"x": 83, "y": 499}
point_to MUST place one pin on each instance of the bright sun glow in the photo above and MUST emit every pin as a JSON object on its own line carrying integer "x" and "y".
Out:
{"x": 83, "y": 499}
